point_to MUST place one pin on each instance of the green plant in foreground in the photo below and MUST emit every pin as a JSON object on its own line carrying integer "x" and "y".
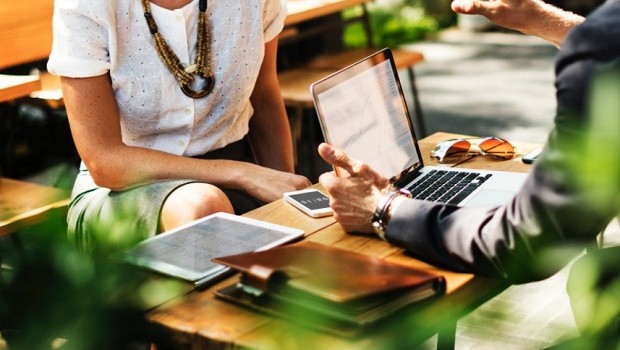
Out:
{"x": 55, "y": 291}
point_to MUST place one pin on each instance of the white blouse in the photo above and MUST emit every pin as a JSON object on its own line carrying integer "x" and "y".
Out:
{"x": 94, "y": 37}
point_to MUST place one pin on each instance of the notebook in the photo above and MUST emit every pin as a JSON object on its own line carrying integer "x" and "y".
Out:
{"x": 294, "y": 282}
{"x": 362, "y": 111}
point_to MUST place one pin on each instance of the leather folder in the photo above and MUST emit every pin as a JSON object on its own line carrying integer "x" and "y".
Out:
{"x": 326, "y": 287}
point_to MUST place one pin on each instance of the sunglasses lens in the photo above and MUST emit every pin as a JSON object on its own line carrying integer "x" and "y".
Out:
{"x": 451, "y": 151}
{"x": 497, "y": 148}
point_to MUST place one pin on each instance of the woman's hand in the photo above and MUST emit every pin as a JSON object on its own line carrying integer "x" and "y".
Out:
{"x": 269, "y": 185}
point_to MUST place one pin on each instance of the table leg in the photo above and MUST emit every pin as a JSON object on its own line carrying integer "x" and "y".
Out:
{"x": 8, "y": 114}
{"x": 295, "y": 120}
{"x": 417, "y": 106}
{"x": 446, "y": 337}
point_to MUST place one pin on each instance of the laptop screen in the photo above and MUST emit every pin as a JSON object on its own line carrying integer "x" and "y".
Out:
{"x": 362, "y": 111}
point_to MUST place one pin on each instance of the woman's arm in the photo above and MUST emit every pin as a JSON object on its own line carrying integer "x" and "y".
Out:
{"x": 95, "y": 126}
{"x": 270, "y": 133}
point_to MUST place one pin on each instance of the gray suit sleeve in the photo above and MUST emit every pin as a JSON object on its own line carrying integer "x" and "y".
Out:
{"x": 551, "y": 212}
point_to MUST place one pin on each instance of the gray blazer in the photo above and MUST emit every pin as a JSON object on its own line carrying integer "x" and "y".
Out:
{"x": 560, "y": 206}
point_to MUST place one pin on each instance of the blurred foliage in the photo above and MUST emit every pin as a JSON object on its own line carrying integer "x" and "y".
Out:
{"x": 440, "y": 10}
{"x": 53, "y": 291}
{"x": 594, "y": 281}
{"x": 396, "y": 22}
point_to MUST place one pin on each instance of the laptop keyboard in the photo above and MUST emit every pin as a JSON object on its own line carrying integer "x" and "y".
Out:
{"x": 449, "y": 187}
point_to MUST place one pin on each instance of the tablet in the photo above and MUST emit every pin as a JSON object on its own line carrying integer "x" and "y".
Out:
{"x": 186, "y": 252}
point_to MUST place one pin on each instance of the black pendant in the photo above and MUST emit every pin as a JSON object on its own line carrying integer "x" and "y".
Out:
{"x": 205, "y": 89}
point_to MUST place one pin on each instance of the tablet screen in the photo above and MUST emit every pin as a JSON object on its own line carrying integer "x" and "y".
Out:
{"x": 186, "y": 252}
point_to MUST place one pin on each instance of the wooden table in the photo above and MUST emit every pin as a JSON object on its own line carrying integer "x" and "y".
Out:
{"x": 199, "y": 321}
{"x": 16, "y": 86}
{"x": 25, "y": 204}
{"x": 25, "y": 31}
{"x": 303, "y": 10}
{"x": 12, "y": 87}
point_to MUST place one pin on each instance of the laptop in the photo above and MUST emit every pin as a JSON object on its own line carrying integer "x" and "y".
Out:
{"x": 362, "y": 111}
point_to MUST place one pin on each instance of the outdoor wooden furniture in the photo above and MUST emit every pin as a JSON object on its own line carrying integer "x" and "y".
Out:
{"x": 16, "y": 86}
{"x": 24, "y": 204}
{"x": 295, "y": 81}
{"x": 12, "y": 87}
{"x": 25, "y": 31}
{"x": 198, "y": 320}
{"x": 50, "y": 93}
{"x": 304, "y": 10}
{"x": 25, "y": 36}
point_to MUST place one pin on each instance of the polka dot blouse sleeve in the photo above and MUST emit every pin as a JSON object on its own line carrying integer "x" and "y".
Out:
{"x": 274, "y": 15}
{"x": 80, "y": 45}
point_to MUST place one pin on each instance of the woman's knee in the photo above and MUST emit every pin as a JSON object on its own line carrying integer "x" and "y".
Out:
{"x": 191, "y": 202}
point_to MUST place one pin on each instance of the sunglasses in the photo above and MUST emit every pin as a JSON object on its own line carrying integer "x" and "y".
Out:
{"x": 454, "y": 150}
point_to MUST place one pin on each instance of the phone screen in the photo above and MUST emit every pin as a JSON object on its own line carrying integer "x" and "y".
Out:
{"x": 312, "y": 200}
{"x": 531, "y": 156}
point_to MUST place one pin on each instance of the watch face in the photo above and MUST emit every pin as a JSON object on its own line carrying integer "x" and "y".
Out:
{"x": 378, "y": 229}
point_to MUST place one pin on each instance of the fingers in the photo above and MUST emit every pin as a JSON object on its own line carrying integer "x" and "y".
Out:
{"x": 335, "y": 157}
{"x": 328, "y": 181}
{"x": 355, "y": 168}
{"x": 471, "y": 7}
{"x": 303, "y": 182}
{"x": 366, "y": 172}
{"x": 340, "y": 188}
{"x": 352, "y": 200}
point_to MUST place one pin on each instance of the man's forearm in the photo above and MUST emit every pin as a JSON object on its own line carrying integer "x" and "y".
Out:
{"x": 551, "y": 23}
{"x": 533, "y": 17}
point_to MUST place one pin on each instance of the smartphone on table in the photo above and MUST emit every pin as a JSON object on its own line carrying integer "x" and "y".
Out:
{"x": 532, "y": 155}
{"x": 311, "y": 201}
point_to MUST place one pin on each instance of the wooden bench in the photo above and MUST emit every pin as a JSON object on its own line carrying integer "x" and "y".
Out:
{"x": 25, "y": 31}
{"x": 295, "y": 81}
{"x": 24, "y": 204}
{"x": 13, "y": 87}
{"x": 25, "y": 37}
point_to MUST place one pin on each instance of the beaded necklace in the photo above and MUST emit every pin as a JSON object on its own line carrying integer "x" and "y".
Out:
{"x": 202, "y": 63}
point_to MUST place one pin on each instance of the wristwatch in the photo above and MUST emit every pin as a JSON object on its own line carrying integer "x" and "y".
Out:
{"x": 379, "y": 217}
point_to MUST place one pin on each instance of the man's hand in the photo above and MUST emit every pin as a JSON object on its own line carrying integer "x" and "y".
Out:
{"x": 355, "y": 168}
{"x": 353, "y": 198}
{"x": 505, "y": 13}
{"x": 533, "y": 17}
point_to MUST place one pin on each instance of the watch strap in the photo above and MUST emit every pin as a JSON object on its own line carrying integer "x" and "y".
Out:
{"x": 379, "y": 222}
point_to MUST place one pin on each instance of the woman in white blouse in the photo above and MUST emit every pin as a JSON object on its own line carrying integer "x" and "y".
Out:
{"x": 164, "y": 99}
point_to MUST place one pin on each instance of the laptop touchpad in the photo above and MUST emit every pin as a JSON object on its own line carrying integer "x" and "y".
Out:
{"x": 489, "y": 198}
